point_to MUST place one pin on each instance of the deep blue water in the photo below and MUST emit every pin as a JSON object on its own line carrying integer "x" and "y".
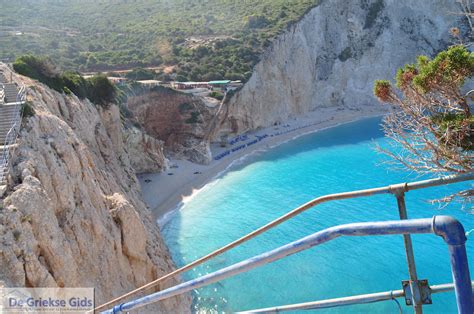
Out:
{"x": 334, "y": 160}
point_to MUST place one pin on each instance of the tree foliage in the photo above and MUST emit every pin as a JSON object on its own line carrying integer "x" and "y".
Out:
{"x": 139, "y": 74}
{"x": 97, "y": 89}
{"x": 100, "y": 90}
{"x": 432, "y": 128}
{"x": 108, "y": 35}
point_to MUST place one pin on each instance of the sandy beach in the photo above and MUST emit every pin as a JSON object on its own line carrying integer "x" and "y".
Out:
{"x": 164, "y": 192}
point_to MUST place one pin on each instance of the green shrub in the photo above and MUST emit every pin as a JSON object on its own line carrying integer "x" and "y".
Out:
{"x": 100, "y": 90}
{"x": 75, "y": 83}
{"x": 16, "y": 234}
{"x": 216, "y": 95}
{"x": 141, "y": 74}
{"x": 256, "y": 21}
{"x": 382, "y": 90}
{"x": 459, "y": 128}
{"x": 194, "y": 118}
{"x": 27, "y": 110}
{"x": 184, "y": 107}
{"x": 41, "y": 69}
{"x": 453, "y": 65}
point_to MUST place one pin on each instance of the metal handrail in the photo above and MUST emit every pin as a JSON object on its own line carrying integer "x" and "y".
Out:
{"x": 12, "y": 134}
{"x": 395, "y": 189}
{"x": 352, "y": 300}
{"x": 446, "y": 227}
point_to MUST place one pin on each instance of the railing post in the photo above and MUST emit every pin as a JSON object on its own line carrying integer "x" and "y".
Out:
{"x": 453, "y": 234}
{"x": 416, "y": 294}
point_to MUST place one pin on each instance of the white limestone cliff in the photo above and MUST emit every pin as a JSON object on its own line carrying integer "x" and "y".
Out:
{"x": 333, "y": 55}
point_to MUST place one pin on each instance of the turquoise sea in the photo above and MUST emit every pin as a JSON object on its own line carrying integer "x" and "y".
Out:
{"x": 270, "y": 184}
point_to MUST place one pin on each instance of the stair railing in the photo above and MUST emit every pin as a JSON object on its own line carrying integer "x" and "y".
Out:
{"x": 12, "y": 134}
{"x": 2, "y": 93}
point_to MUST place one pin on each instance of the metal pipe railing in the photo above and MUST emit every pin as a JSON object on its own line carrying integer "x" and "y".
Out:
{"x": 391, "y": 189}
{"x": 352, "y": 300}
{"x": 448, "y": 228}
{"x": 410, "y": 256}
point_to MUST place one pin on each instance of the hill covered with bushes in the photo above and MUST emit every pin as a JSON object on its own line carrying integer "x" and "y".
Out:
{"x": 195, "y": 39}
{"x": 97, "y": 88}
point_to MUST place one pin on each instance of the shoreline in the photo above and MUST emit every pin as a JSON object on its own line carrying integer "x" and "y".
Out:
{"x": 165, "y": 192}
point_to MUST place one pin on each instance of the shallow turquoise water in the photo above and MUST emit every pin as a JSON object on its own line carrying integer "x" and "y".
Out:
{"x": 334, "y": 160}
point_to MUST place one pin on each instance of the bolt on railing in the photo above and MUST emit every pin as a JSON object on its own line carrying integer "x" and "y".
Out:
{"x": 352, "y": 300}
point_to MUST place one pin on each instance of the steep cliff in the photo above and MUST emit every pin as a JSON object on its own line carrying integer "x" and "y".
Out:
{"x": 73, "y": 214}
{"x": 146, "y": 152}
{"x": 334, "y": 54}
{"x": 179, "y": 120}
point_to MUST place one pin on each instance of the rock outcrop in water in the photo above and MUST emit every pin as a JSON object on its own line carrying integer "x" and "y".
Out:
{"x": 334, "y": 54}
{"x": 73, "y": 214}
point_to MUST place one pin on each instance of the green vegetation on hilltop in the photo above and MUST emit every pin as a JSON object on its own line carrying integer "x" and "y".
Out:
{"x": 202, "y": 39}
{"x": 97, "y": 88}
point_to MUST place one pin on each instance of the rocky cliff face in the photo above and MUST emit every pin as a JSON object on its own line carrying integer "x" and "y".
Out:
{"x": 73, "y": 214}
{"x": 181, "y": 121}
{"x": 334, "y": 54}
{"x": 144, "y": 152}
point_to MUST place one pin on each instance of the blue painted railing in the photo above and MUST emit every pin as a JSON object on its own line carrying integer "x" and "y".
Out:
{"x": 446, "y": 227}
{"x": 416, "y": 291}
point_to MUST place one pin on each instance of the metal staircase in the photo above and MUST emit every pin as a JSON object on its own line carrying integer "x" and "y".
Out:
{"x": 11, "y": 100}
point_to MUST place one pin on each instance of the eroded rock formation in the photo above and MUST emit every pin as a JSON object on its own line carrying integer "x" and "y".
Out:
{"x": 181, "y": 121}
{"x": 73, "y": 214}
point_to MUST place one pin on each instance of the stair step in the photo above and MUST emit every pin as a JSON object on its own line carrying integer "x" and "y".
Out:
{"x": 7, "y": 107}
{"x": 3, "y": 136}
{"x": 5, "y": 126}
{"x": 4, "y": 115}
{"x": 8, "y": 124}
{"x": 8, "y": 110}
{"x": 8, "y": 115}
{"x": 9, "y": 119}
{"x": 4, "y": 133}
